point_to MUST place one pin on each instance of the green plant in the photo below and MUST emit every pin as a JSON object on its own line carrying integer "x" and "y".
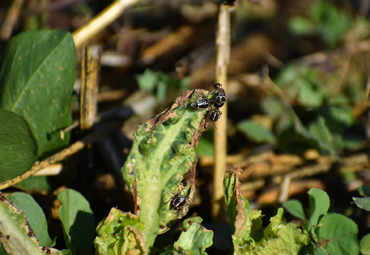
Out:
{"x": 330, "y": 233}
{"x": 163, "y": 152}
{"x": 363, "y": 202}
{"x": 36, "y": 82}
{"x": 161, "y": 82}
{"x": 24, "y": 226}
{"x": 249, "y": 238}
{"x": 159, "y": 171}
{"x": 330, "y": 125}
{"x": 324, "y": 19}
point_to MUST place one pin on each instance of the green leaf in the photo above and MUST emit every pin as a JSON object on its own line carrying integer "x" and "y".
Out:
{"x": 161, "y": 91}
{"x": 338, "y": 99}
{"x": 281, "y": 237}
{"x": 362, "y": 202}
{"x": 272, "y": 106}
{"x": 194, "y": 239}
{"x": 352, "y": 141}
{"x": 331, "y": 22}
{"x": 18, "y": 147}
{"x": 40, "y": 183}
{"x": 17, "y": 237}
{"x": 2, "y": 251}
{"x": 319, "y": 129}
{"x": 278, "y": 238}
{"x": 151, "y": 80}
{"x": 319, "y": 205}
{"x": 119, "y": 233}
{"x": 308, "y": 95}
{"x": 161, "y": 156}
{"x": 35, "y": 216}
{"x": 205, "y": 145}
{"x": 256, "y": 132}
{"x": 365, "y": 245}
{"x": 295, "y": 208}
{"x": 302, "y": 82}
{"x": 37, "y": 79}
{"x": 296, "y": 138}
{"x": 14, "y": 225}
{"x": 337, "y": 235}
{"x": 77, "y": 221}
{"x": 55, "y": 141}
{"x": 301, "y": 26}
{"x": 148, "y": 80}
{"x": 337, "y": 118}
{"x": 67, "y": 252}
{"x": 364, "y": 190}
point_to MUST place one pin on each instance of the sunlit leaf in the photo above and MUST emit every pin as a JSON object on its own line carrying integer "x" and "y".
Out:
{"x": 18, "y": 147}
{"x": 295, "y": 208}
{"x": 256, "y": 132}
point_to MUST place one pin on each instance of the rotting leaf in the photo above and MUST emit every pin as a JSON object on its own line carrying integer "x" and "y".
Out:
{"x": 163, "y": 152}
{"x": 17, "y": 236}
{"x": 278, "y": 238}
{"x": 194, "y": 239}
{"x": 119, "y": 233}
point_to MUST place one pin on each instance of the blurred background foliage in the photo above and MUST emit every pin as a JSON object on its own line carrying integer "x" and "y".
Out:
{"x": 297, "y": 93}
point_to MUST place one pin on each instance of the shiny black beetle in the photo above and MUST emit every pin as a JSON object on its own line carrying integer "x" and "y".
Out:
{"x": 214, "y": 115}
{"x": 200, "y": 103}
{"x": 178, "y": 202}
{"x": 220, "y": 99}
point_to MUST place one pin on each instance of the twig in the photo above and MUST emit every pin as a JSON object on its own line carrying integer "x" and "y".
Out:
{"x": 90, "y": 65}
{"x": 220, "y": 134}
{"x": 175, "y": 40}
{"x": 100, "y": 21}
{"x": 322, "y": 56}
{"x": 74, "y": 148}
{"x": 230, "y": 160}
{"x": 284, "y": 189}
{"x": 305, "y": 172}
{"x": 112, "y": 95}
{"x": 10, "y": 20}
{"x": 74, "y": 125}
{"x": 367, "y": 89}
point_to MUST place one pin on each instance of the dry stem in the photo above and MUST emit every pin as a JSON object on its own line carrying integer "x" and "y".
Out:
{"x": 11, "y": 19}
{"x": 100, "y": 21}
{"x": 220, "y": 138}
{"x": 90, "y": 63}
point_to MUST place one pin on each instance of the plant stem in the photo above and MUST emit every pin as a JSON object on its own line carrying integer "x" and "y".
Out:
{"x": 220, "y": 134}
{"x": 100, "y": 21}
{"x": 72, "y": 149}
{"x": 90, "y": 66}
{"x": 11, "y": 19}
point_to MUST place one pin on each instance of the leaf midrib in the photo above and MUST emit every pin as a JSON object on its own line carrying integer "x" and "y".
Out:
{"x": 34, "y": 73}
